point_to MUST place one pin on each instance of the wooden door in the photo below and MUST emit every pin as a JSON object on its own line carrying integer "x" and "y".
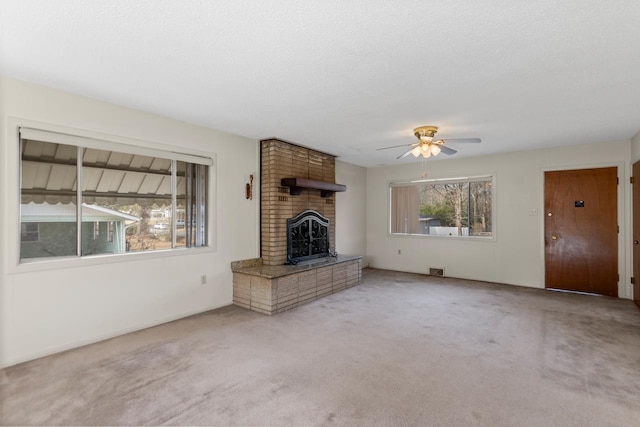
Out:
{"x": 636, "y": 233}
{"x": 581, "y": 230}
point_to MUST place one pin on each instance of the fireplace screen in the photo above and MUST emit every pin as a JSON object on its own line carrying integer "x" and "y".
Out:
{"x": 307, "y": 237}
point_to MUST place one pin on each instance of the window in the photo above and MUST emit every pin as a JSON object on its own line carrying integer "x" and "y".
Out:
{"x": 85, "y": 197}
{"x": 460, "y": 207}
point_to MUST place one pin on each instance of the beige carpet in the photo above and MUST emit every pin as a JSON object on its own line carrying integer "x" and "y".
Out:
{"x": 400, "y": 349}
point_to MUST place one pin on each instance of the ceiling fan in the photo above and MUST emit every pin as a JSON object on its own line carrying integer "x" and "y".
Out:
{"x": 427, "y": 145}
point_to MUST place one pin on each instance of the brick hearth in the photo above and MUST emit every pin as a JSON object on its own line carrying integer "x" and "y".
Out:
{"x": 274, "y": 289}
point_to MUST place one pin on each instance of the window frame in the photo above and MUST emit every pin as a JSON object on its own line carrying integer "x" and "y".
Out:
{"x": 447, "y": 180}
{"x": 13, "y": 263}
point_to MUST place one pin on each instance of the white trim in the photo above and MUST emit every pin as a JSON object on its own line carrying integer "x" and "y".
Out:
{"x": 479, "y": 178}
{"x": 60, "y": 263}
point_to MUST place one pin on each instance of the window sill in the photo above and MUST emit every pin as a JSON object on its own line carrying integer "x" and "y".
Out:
{"x": 430, "y": 236}
{"x": 58, "y": 263}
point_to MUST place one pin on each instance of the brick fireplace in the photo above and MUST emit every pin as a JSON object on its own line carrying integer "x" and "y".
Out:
{"x": 297, "y": 184}
{"x": 281, "y": 160}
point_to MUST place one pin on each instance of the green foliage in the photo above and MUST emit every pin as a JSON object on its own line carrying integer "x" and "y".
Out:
{"x": 443, "y": 212}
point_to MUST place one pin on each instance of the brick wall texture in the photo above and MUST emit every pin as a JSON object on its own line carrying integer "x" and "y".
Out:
{"x": 284, "y": 160}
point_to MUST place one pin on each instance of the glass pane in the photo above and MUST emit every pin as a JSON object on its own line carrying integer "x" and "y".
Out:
{"x": 192, "y": 204}
{"x": 480, "y": 207}
{"x": 444, "y": 209}
{"x": 126, "y": 202}
{"x": 181, "y": 204}
{"x": 200, "y": 204}
{"x": 48, "y": 217}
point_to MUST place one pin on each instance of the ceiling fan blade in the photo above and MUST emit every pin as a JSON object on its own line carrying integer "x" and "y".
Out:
{"x": 473, "y": 140}
{"x": 402, "y": 156}
{"x": 396, "y": 146}
{"x": 446, "y": 150}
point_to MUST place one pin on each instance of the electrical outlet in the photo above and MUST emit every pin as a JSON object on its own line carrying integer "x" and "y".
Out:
{"x": 533, "y": 212}
{"x": 203, "y": 279}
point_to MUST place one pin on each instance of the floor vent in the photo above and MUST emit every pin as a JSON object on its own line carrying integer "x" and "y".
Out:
{"x": 436, "y": 271}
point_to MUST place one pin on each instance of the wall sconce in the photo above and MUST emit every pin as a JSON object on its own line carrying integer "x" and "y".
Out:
{"x": 249, "y": 188}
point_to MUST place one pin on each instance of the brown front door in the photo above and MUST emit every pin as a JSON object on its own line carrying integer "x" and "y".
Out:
{"x": 636, "y": 233}
{"x": 581, "y": 230}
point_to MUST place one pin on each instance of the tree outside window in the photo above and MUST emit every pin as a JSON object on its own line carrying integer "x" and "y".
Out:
{"x": 462, "y": 207}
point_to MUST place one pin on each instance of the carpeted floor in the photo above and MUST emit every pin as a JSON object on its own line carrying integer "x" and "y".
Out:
{"x": 400, "y": 349}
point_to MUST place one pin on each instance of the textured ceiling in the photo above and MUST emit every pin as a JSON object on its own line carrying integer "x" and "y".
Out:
{"x": 347, "y": 77}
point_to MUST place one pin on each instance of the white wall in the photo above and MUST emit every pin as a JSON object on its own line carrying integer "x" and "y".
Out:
{"x": 517, "y": 255}
{"x": 45, "y": 309}
{"x": 351, "y": 210}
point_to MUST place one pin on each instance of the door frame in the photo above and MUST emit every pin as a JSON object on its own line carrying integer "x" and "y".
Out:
{"x": 625, "y": 239}
{"x": 633, "y": 232}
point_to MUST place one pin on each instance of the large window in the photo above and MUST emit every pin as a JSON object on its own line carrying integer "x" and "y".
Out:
{"x": 455, "y": 207}
{"x": 82, "y": 197}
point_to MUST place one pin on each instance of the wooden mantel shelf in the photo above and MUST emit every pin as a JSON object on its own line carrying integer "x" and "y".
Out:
{"x": 296, "y": 185}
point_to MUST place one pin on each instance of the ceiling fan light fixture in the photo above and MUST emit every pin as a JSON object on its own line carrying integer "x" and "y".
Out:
{"x": 425, "y": 133}
{"x": 427, "y": 145}
{"x": 425, "y": 138}
{"x": 427, "y": 150}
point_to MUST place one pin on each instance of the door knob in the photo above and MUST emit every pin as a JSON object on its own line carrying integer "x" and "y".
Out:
{"x": 554, "y": 237}
{"x": 635, "y": 242}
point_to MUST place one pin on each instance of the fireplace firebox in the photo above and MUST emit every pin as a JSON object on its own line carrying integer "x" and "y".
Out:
{"x": 307, "y": 237}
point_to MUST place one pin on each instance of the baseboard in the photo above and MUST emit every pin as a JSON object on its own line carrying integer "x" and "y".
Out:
{"x": 93, "y": 340}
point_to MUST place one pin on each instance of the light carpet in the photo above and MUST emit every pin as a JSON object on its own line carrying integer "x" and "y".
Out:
{"x": 398, "y": 350}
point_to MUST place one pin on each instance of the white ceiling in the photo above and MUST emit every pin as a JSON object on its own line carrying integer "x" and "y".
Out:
{"x": 347, "y": 77}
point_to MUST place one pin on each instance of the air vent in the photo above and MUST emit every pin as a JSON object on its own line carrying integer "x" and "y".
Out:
{"x": 436, "y": 271}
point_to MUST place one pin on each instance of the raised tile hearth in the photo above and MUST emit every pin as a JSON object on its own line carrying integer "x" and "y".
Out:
{"x": 272, "y": 289}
